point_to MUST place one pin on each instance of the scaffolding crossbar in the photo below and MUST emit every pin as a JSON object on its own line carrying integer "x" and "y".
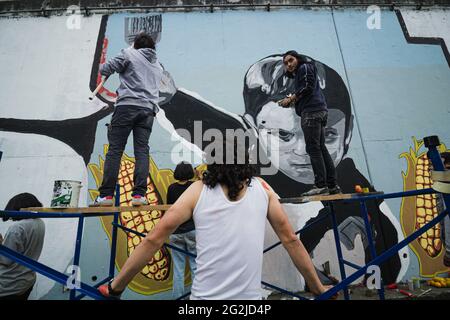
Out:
{"x": 86, "y": 290}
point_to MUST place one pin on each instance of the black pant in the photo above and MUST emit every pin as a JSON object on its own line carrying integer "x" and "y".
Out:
{"x": 23, "y": 296}
{"x": 124, "y": 120}
{"x": 313, "y": 126}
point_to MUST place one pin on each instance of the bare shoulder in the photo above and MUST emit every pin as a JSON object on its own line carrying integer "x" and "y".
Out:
{"x": 196, "y": 186}
{"x": 194, "y": 190}
{"x": 266, "y": 186}
{"x": 264, "y": 183}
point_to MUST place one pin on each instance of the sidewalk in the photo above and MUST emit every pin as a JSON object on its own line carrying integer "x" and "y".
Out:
{"x": 362, "y": 293}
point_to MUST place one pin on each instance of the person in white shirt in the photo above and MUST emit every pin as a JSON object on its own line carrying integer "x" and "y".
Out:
{"x": 229, "y": 208}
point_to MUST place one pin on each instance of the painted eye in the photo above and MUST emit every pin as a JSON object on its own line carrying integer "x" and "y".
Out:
{"x": 331, "y": 135}
{"x": 285, "y": 135}
{"x": 331, "y": 132}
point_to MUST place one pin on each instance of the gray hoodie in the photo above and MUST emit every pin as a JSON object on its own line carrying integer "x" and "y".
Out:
{"x": 140, "y": 75}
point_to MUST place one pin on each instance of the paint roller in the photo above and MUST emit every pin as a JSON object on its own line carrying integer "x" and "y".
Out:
{"x": 94, "y": 93}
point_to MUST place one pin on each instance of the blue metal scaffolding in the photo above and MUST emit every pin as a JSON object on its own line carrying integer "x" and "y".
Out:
{"x": 91, "y": 291}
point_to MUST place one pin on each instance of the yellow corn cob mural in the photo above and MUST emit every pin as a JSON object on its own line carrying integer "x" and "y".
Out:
{"x": 155, "y": 276}
{"x": 158, "y": 267}
{"x": 426, "y": 209}
{"x": 416, "y": 211}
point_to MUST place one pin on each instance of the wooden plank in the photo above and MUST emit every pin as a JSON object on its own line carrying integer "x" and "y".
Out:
{"x": 331, "y": 197}
{"x": 162, "y": 207}
{"x": 165, "y": 207}
{"x": 443, "y": 176}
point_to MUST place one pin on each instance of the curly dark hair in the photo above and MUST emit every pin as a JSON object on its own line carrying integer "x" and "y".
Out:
{"x": 233, "y": 175}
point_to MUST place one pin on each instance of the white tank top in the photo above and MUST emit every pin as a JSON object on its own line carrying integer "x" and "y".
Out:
{"x": 230, "y": 239}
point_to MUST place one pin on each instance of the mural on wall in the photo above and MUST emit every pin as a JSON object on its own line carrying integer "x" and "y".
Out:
{"x": 79, "y": 134}
{"x": 47, "y": 126}
{"x": 67, "y": 132}
{"x": 423, "y": 27}
{"x": 158, "y": 269}
{"x": 416, "y": 211}
{"x": 264, "y": 84}
{"x": 426, "y": 27}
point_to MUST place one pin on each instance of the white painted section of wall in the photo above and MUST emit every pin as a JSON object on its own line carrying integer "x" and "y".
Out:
{"x": 31, "y": 163}
{"x": 403, "y": 253}
{"x": 278, "y": 268}
{"x": 428, "y": 23}
{"x": 47, "y": 66}
{"x": 325, "y": 252}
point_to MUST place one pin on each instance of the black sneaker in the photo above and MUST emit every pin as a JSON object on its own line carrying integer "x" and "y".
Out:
{"x": 315, "y": 191}
{"x": 335, "y": 190}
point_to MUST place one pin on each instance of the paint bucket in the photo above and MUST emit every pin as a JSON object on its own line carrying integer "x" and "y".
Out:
{"x": 66, "y": 194}
{"x": 410, "y": 285}
{"x": 416, "y": 283}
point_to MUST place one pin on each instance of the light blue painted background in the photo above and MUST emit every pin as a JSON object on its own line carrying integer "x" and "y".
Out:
{"x": 399, "y": 90}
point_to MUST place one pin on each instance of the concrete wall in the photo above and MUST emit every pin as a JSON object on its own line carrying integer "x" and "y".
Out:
{"x": 386, "y": 87}
{"x": 37, "y": 5}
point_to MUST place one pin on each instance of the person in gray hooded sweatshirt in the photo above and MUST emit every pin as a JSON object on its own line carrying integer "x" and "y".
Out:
{"x": 140, "y": 75}
{"x": 25, "y": 236}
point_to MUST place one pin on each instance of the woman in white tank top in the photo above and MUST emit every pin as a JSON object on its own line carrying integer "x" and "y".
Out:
{"x": 229, "y": 207}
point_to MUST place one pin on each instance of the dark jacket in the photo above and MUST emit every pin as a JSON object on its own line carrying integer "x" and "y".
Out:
{"x": 174, "y": 191}
{"x": 309, "y": 95}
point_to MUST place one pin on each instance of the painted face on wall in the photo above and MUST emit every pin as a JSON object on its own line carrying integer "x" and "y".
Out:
{"x": 266, "y": 83}
{"x": 284, "y": 125}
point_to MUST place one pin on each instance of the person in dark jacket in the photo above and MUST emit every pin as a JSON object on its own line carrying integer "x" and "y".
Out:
{"x": 266, "y": 83}
{"x": 310, "y": 104}
{"x": 184, "y": 236}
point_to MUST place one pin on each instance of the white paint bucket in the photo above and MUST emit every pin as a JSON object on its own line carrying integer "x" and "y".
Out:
{"x": 66, "y": 194}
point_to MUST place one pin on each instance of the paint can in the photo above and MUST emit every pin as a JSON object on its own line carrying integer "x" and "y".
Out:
{"x": 66, "y": 194}
{"x": 416, "y": 283}
{"x": 410, "y": 285}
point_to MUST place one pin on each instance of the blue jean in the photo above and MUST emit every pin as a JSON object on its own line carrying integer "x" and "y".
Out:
{"x": 313, "y": 126}
{"x": 127, "y": 119}
{"x": 185, "y": 241}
